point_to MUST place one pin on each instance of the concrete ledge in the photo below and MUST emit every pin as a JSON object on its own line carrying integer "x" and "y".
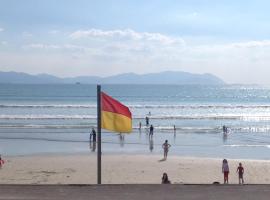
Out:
{"x": 135, "y": 191}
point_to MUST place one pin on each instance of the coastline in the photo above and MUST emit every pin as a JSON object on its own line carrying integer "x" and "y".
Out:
{"x": 126, "y": 169}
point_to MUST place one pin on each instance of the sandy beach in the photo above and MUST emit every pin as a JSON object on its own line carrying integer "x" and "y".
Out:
{"x": 126, "y": 169}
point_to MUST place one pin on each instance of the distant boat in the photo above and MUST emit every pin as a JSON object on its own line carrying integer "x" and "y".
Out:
{"x": 77, "y": 83}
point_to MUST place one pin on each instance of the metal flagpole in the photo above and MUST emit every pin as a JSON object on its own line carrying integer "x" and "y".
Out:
{"x": 99, "y": 134}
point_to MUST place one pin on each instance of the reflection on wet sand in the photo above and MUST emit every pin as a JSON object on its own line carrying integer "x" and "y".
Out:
{"x": 92, "y": 146}
{"x": 121, "y": 140}
{"x": 151, "y": 144}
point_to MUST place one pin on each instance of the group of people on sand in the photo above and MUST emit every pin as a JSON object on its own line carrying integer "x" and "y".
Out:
{"x": 225, "y": 171}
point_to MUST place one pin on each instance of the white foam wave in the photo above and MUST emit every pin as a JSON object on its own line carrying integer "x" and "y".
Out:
{"x": 158, "y": 117}
{"x": 37, "y": 126}
{"x": 42, "y": 117}
{"x": 228, "y": 106}
{"x": 46, "y": 106}
{"x": 248, "y": 145}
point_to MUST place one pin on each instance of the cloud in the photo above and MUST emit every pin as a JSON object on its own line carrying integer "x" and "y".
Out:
{"x": 27, "y": 34}
{"x": 99, "y": 52}
{"x": 41, "y": 46}
{"x": 4, "y": 43}
{"x": 252, "y": 44}
{"x": 1, "y": 29}
{"x": 194, "y": 14}
{"x": 126, "y": 34}
{"x": 53, "y": 32}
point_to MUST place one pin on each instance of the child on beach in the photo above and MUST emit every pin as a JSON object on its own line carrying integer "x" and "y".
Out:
{"x": 1, "y": 162}
{"x": 240, "y": 171}
{"x": 225, "y": 171}
{"x": 165, "y": 179}
{"x": 166, "y": 147}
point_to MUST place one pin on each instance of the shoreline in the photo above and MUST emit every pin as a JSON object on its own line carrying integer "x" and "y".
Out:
{"x": 127, "y": 169}
{"x": 157, "y": 154}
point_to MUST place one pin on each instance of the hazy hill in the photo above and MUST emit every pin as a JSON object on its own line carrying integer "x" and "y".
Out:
{"x": 168, "y": 77}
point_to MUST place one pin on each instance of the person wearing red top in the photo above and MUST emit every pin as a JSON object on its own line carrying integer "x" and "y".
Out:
{"x": 1, "y": 162}
{"x": 240, "y": 171}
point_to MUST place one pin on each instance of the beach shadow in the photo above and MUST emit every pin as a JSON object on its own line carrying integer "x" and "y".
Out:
{"x": 162, "y": 160}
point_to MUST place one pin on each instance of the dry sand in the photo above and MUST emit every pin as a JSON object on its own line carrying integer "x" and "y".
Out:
{"x": 81, "y": 169}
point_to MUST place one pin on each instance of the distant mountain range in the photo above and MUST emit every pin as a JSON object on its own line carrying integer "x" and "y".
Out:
{"x": 167, "y": 77}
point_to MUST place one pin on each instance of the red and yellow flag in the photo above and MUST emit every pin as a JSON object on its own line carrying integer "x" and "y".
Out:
{"x": 114, "y": 115}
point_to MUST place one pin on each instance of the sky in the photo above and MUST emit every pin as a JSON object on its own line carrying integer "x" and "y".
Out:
{"x": 227, "y": 38}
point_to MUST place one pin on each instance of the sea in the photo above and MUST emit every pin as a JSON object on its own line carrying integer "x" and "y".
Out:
{"x": 58, "y": 118}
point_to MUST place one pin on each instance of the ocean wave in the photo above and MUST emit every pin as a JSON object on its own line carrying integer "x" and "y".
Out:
{"x": 45, "y": 117}
{"x": 37, "y": 126}
{"x": 157, "y": 117}
{"x": 248, "y": 145}
{"x": 169, "y": 129}
{"x": 46, "y": 106}
{"x": 63, "y": 126}
{"x": 230, "y": 106}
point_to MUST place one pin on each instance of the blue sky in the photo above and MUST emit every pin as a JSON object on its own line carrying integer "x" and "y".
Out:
{"x": 69, "y": 38}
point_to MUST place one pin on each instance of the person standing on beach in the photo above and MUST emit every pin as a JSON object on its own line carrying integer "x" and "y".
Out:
{"x": 93, "y": 135}
{"x": 140, "y": 126}
{"x": 240, "y": 171}
{"x": 225, "y": 171}
{"x": 147, "y": 121}
{"x": 1, "y": 162}
{"x": 151, "y": 133}
{"x": 166, "y": 147}
{"x": 224, "y": 129}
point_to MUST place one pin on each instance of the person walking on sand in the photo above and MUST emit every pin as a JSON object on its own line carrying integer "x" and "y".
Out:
{"x": 240, "y": 171}
{"x": 166, "y": 147}
{"x": 225, "y": 171}
{"x": 165, "y": 179}
{"x": 93, "y": 135}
